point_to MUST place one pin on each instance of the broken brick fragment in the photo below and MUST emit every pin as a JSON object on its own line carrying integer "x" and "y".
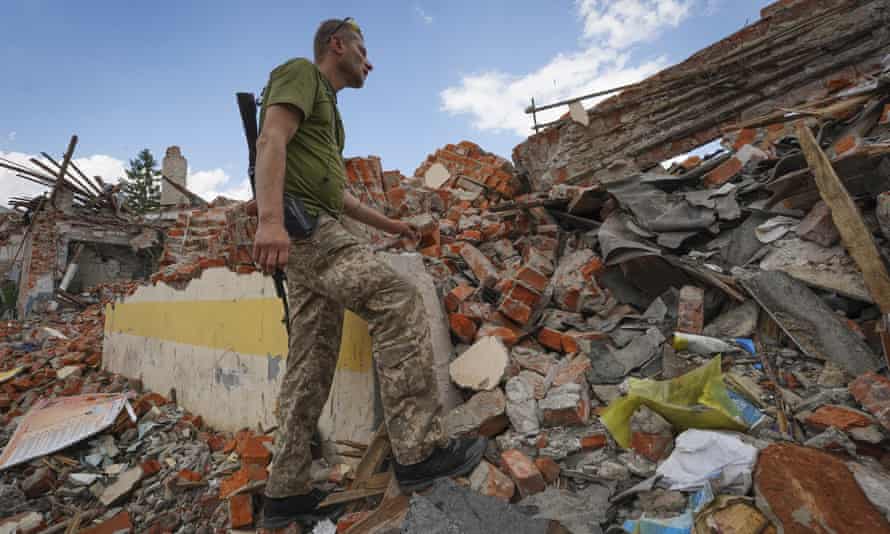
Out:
{"x": 515, "y": 310}
{"x": 691, "y": 310}
{"x": 481, "y": 266}
{"x": 550, "y": 338}
{"x": 488, "y": 480}
{"x": 241, "y": 510}
{"x": 653, "y": 447}
{"x": 872, "y": 391}
{"x": 524, "y": 472}
{"x": 838, "y": 417}
{"x": 549, "y": 468}
{"x": 799, "y": 487}
{"x": 463, "y": 327}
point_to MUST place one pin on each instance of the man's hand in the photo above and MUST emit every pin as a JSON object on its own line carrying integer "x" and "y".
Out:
{"x": 405, "y": 229}
{"x": 271, "y": 246}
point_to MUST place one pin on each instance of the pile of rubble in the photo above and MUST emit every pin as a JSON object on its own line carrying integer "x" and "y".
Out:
{"x": 593, "y": 319}
{"x": 694, "y": 347}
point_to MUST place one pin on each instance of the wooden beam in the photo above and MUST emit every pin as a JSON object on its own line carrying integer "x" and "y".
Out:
{"x": 63, "y": 169}
{"x": 375, "y": 454}
{"x": 854, "y": 233}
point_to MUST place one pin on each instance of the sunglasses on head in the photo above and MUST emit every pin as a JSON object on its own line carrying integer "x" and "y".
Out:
{"x": 352, "y": 24}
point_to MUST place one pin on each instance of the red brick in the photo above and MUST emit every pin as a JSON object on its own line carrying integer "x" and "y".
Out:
{"x": 592, "y": 268}
{"x": 516, "y": 310}
{"x": 533, "y": 279}
{"x": 801, "y": 485}
{"x": 569, "y": 344}
{"x": 838, "y": 417}
{"x": 654, "y": 447}
{"x": 725, "y": 172}
{"x": 488, "y": 480}
{"x": 150, "y": 468}
{"x": 596, "y": 441}
{"x": 189, "y": 475}
{"x": 523, "y": 294}
{"x": 523, "y": 471}
{"x": 118, "y": 523}
{"x": 456, "y": 296}
{"x": 548, "y": 467}
{"x": 506, "y": 335}
{"x": 691, "y": 310}
{"x": 550, "y": 338}
{"x": 572, "y": 372}
{"x": 885, "y": 115}
{"x": 872, "y": 391}
{"x": 463, "y": 327}
{"x": 570, "y": 416}
{"x": 241, "y": 510}
{"x": 255, "y": 452}
{"x": 846, "y": 144}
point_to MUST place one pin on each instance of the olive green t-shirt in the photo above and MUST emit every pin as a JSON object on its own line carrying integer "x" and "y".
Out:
{"x": 314, "y": 171}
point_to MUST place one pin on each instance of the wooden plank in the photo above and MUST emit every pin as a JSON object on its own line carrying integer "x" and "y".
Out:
{"x": 350, "y": 495}
{"x": 854, "y": 233}
{"x": 377, "y": 451}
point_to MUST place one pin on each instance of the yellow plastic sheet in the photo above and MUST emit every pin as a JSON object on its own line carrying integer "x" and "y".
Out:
{"x": 697, "y": 399}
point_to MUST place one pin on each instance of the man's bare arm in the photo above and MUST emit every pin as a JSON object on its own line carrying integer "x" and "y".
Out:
{"x": 358, "y": 211}
{"x": 272, "y": 243}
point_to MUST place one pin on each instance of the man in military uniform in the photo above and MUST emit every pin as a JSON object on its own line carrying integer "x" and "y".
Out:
{"x": 299, "y": 152}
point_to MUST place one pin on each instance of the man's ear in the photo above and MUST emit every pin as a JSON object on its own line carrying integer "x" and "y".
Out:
{"x": 337, "y": 45}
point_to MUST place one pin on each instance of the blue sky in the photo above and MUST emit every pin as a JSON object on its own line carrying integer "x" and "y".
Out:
{"x": 131, "y": 75}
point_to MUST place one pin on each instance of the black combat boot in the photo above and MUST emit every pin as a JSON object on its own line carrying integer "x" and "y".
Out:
{"x": 457, "y": 458}
{"x": 279, "y": 513}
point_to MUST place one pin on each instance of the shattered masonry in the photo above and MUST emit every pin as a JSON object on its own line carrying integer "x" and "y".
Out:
{"x": 613, "y": 318}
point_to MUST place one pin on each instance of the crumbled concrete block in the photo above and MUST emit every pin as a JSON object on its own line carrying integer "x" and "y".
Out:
{"x": 487, "y": 479}
{"x": 523, "y": 471}
{"x": 572, "y": 371}
{"x": 484, "y": 414}
{"x": 122, "y": 486}
{"x": 661, "y": 501}
{"x": 539, "y": 362}
{"x": 522, "y": 408}
{"x": 482, "y": 366}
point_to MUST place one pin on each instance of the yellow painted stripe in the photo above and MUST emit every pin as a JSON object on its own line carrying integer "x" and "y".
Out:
{"x": 248, "y": 326}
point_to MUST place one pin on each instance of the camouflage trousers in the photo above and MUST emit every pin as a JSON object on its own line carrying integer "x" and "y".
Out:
{"x": 327, "y": 273}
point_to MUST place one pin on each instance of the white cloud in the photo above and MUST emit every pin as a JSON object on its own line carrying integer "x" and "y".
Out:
{"x": 110, "y": 169}
{"x": 216, "y": 182}
{"x": 427, "y": 19}
{"x": 13, "y": 186}
{"x": 621, "y": 23}
{"x": 495, "y": 100}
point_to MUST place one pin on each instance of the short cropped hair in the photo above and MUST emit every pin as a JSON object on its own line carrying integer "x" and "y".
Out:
{"x": 326, "y": 30}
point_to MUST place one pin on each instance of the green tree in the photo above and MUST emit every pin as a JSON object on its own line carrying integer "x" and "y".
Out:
{"x": 143, "y": 184}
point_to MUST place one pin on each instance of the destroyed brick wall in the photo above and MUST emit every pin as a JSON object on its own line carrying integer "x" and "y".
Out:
{"x": 798, "y": 50}
{"x": 39, "y": 269}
